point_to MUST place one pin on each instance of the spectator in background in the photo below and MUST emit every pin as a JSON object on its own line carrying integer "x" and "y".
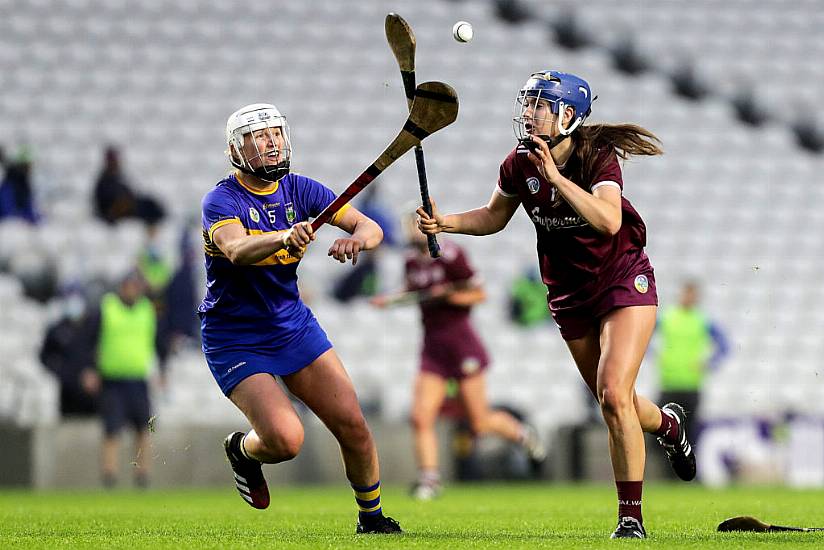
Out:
{"x": 362, "y": 279}
{"x": 115, "y": 199}
{"x": 156, "y": 271}
{"x": 16, "y": 195}
{"x": 153, "y": 265}
{"x": 125, "y": 328}
{"x": 527, "y": 299}
{"x": 690, "y": 345}
{"x": 67, "y": 351}
{"x": 178, "y": 320}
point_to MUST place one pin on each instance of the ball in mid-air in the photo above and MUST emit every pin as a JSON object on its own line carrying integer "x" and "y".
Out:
{"x": 462, "y": 31}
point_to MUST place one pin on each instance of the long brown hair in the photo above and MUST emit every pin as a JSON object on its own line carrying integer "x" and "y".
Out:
{"x": 627, "y": 140}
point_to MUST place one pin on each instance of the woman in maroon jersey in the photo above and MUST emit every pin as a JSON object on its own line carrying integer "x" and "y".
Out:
{"x": 446, "y": 288}
{"x": 601, "y": 287}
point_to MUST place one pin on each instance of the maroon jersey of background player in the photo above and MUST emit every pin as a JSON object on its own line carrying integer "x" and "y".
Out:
{"x": 451, "y": 347}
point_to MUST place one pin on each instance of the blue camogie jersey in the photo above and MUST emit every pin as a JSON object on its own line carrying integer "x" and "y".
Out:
{"x": 256, "y": 304}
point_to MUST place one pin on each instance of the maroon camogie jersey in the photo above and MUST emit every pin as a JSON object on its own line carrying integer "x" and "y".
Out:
{"x": 423, "y": 272}
{"x": 451, "y": 347}
{"x": 577, "y": 262}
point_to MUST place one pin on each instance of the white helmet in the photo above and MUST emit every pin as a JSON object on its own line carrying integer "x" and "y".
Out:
{"x": 258, "y": 116}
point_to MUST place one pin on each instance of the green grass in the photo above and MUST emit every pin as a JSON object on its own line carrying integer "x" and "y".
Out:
{"x": 467, "y": 516}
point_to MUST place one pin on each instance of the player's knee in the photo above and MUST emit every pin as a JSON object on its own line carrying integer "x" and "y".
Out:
{"x": 291, "y": 444}
{"x": 282, "y": 444}
{"x": 421, "y": 420}
{"x": 479, "y": 424}
{"x": 615, "y": 401}
{"x": 287, "y": 446}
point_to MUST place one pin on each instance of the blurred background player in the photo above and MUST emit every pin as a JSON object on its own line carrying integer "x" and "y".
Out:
{"x": 446, "y": 289}
{"x": 601, "y": 287}
{"x": 255, "y": 326}
{"x": 689, "y": 346}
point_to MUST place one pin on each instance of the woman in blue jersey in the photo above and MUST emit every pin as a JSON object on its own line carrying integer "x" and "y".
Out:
{"x": 255, "y": 326}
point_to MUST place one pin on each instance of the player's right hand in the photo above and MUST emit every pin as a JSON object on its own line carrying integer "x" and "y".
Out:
{"x": 298, "y": 238}
{"x": 429, "y": 225}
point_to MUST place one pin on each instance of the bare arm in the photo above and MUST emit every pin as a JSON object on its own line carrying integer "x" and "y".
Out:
{"x": 482, "y": 221}
{"x": 462, "y": 294}
{"x": 243, "y": 249}
{"x": 601, "y": 208}
{"x": 365, "y": 235}
{"x": 466, "y": 296}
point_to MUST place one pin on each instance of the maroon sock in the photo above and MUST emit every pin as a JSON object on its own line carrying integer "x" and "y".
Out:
{"x": 629, "y": 499}
{"x": 668, "y": 429}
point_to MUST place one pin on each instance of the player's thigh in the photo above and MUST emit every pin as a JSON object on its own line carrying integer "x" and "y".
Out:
{"x": 625, "y": 335}
{"x": 472, "y": 390}
{"x": 266, "y": 406}
{"x": 430, "y": 392}
{"x": 325, "y": 387}
{"x": 586, "y": 352}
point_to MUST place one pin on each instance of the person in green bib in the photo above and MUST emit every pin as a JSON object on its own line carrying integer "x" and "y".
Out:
{"x": 690, "y": 345}
{"x": 126, "y": 328}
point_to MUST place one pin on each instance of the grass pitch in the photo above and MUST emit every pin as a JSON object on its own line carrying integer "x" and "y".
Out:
{"x": 466, "y": 516}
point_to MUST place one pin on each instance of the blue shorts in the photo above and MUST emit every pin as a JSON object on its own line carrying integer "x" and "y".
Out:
{"x": 232, "y": 364}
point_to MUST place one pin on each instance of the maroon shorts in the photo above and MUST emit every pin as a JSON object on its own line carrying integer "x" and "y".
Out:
{"x": 635, "y": 289}
{"x": 454, "y": 354}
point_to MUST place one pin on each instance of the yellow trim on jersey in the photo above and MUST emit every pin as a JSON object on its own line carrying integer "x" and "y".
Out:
{"x": 221, "y": 223}
{"x": 267, "y": 191}
{"x": 281, "y": 257}
{"x": 370, "y": 495}
{"x": 339, "y": 214}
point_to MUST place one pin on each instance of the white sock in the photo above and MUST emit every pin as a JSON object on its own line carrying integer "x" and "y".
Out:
{"x": 243, "y": 448}
{"x": 523, "y": 435}
{"x": 429, "y": 477}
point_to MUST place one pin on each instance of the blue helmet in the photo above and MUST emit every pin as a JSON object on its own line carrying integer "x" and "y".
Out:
{"x": 560, "y": 90}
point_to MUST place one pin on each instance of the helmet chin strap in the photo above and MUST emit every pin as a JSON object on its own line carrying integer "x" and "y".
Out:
{"x": 563, "y": 133}
{"x": 270, "y": 174}
{"x": 553, "y": 141}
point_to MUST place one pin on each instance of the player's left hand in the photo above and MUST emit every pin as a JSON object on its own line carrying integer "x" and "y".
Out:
{"x": 542, "y": 158}
{"x": 379, "y": 301}
{"x": 438, "y": 291}
{"x": 346, "y": 249}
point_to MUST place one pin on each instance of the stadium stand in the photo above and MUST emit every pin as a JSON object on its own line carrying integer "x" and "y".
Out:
{"x": 736, "y": 206}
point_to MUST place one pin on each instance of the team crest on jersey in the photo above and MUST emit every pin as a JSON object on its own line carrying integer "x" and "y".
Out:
{"x": 290, "y": 212}
{"x": 642, "y": 284}
{"x": 470, "y": 365}
{"x": 533, "y": 185}
{"x": 253, "y": 213}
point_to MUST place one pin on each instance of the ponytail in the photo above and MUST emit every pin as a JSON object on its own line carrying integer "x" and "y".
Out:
{"x": 626, "y": 139}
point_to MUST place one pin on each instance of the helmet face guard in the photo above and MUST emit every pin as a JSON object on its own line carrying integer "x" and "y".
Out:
{"x": 258, "y": 141}
{"x": 545, "y": 93}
